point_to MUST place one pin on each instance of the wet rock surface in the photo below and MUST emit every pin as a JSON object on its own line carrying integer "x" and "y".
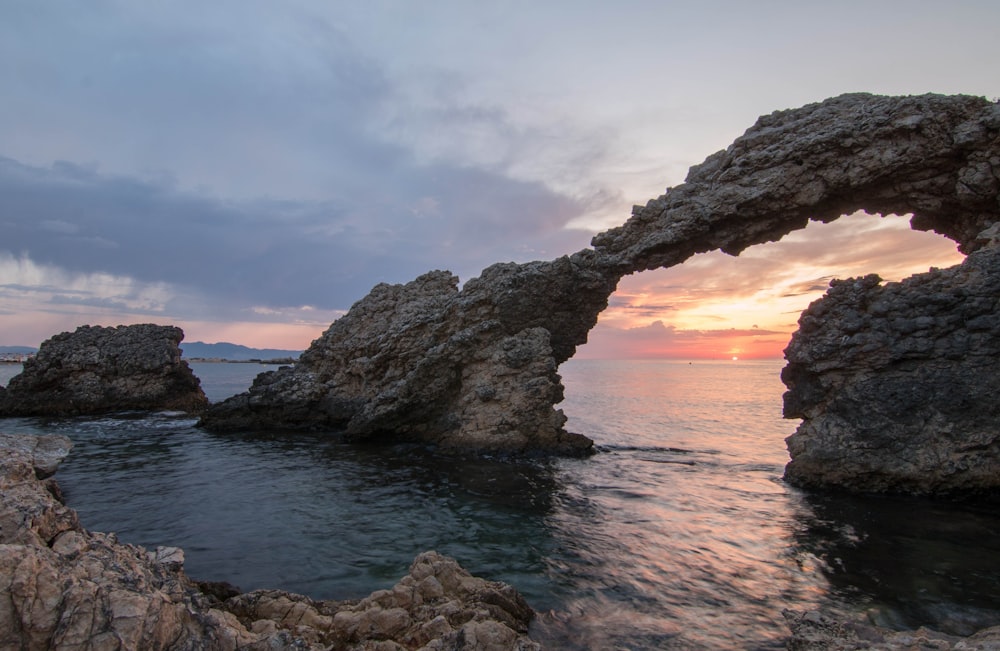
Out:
{"x": 96, "y": 370}
{"x": 63, "y": 587}
{"x": 476, "y": 368}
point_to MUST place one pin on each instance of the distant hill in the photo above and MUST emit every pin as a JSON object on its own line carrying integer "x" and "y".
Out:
{"x": 235, "y": 352}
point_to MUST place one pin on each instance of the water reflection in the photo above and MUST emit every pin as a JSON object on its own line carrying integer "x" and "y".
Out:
{"x": 678, "y": 556}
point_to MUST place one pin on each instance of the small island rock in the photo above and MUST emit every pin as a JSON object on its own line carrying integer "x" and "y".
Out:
{"x": 96, "y": 370}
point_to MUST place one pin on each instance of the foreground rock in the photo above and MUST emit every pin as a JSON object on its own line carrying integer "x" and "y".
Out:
{"x": 98, "y": 370}
{"x": 62, "y": 587}
{"x": 477, "y": 368}
{"x": 813, "y": 631}
{"x": 897, "y": 383}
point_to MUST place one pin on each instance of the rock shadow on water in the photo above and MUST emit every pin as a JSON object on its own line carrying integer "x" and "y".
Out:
{"x": 512, "y": 481}
{"x": 907, "y": 561}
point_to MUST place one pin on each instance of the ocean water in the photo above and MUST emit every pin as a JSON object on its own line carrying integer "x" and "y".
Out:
{"x": 678, "y": 534}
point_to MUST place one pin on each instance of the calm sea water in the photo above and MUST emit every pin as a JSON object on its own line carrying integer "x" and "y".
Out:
{"x": 678, "y": 534}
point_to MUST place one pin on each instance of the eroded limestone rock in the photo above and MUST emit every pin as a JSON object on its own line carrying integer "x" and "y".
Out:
{"x": 472, "y": 369}
{"x": 63, "y": 587}
{"x": 97, "y": 370}
{"x": 935, "y": 156}
{"x": 437, "y": 606}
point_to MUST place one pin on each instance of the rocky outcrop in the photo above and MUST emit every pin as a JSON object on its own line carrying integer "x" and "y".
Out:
{"x": 896, "y": 383}
{"x": 477, "y": 368}
{"x": 97, "y": 370}
{"x": 438, "y": 606}
{"x": 814, "y": 631}
{"x": 473, "y": 369}
{"x": 63, "y": 587}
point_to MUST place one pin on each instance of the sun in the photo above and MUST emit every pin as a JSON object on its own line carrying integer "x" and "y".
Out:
{"x": 735, "y": 358}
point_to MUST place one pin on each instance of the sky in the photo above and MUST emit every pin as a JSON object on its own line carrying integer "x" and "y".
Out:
{"x": 247, "y": 170}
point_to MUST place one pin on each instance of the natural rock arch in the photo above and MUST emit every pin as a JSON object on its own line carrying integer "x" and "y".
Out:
{"x": 773, "y": 283}
{"x": 477, "y": 368}
{"x": 931, "y": 156}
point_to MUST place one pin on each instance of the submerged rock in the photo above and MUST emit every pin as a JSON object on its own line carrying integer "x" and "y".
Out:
{"x": 814, "y": 631}
{"x": 63, "y": 587}
{"x": 477, "y": 368}
{"x": 96, "y": 370}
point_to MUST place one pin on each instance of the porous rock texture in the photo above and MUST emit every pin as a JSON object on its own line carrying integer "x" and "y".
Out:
{"x": 815, "y": 631}
{"x": 933, "y": 156}
{"x": 896, "y": 383}
{"x": 63, "y": 587}
{"x": 96, "y": 370}
{"x": 472, "y": 369}
{"x": 477, "y": 368}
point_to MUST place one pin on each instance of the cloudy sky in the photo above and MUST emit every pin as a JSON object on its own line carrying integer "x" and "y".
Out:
{"x": 247, "y": 170}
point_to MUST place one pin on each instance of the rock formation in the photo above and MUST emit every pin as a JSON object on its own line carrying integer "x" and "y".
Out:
{"x": 99, "y": 370}
{"x": 896, "y": 383}
{"x": 477, "y": 368}
{"x": 63, "y": 587}
{"x": 933, "y": 156}
{"x": 472, "y": 369}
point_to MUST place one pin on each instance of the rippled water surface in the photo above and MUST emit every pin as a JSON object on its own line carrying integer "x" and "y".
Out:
{"x": 678, "y": 534}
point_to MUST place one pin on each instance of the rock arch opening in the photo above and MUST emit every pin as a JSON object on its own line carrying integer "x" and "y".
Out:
{"x": 717, "y": 306}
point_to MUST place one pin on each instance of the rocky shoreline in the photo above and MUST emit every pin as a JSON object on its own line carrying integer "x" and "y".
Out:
{"x": 64, "y": 587}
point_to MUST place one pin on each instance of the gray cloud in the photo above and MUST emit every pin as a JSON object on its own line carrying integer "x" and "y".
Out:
{"x": 240, "y": 153}
{"x": 323, "y": 253}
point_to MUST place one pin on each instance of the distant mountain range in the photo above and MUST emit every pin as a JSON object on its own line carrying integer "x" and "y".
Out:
{"x": 235, "y": 352}
{"x": 17, "y": 350}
